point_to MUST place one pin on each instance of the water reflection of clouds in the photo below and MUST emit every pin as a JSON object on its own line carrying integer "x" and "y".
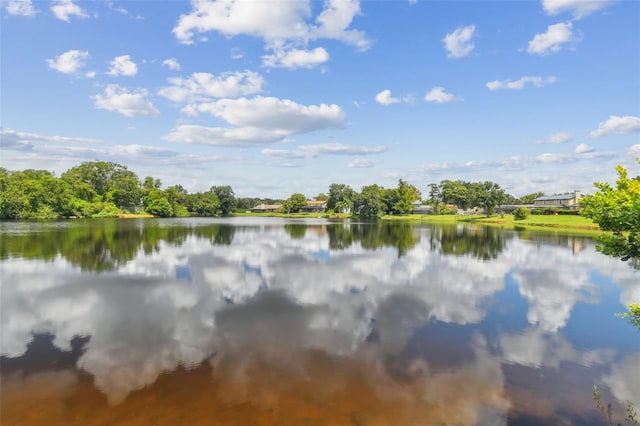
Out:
{"x": 148, "y": 320}
{"x": 624, "y": 379}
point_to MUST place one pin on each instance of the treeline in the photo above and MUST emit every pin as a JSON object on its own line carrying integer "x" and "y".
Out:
{"x": 106, "y": 189}
{"x": 102, "y": 189}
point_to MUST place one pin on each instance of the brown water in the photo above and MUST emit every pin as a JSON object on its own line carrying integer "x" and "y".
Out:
{"x": 272, "y": 322}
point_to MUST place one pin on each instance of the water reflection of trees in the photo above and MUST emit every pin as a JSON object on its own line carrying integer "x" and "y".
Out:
{"x": 103, "y": 245}
{"x": 575, "y": 243}
{"x": 481, "y": 242}
{"x": 374, "y": 235}
{"x": 296, "y": 230}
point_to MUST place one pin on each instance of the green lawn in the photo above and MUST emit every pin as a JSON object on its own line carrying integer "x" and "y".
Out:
{"x": 569, "y": 222}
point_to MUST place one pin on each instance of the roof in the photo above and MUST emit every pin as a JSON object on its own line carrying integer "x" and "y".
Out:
{"x": 316, "y": 203}
{"x": 267, "y": 207}
{"x": 556, "y": 197}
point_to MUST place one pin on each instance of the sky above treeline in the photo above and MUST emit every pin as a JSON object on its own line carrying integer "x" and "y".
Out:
{"x": 274, "y": 97}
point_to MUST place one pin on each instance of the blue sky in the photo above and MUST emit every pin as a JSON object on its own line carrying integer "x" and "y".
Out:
{"x": 275, "y": 97}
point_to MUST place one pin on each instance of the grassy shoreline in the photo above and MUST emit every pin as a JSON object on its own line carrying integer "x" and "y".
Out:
{"x": 561, "y": 223}
{"x": 550, "y": 222}
{"x": 564, "y": 223}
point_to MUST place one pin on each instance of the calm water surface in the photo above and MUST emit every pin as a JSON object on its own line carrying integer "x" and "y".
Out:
{"x": 251, "y": 321}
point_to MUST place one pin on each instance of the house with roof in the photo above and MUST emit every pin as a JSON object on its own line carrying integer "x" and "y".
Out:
{"x": 315, "y": 206}
{"x": 567, "y": 201}
{"x": 266, "y": 208}
{"x": 419, "y": 208}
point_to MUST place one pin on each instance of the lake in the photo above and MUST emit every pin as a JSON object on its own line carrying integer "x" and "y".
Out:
{"x": 261, "y": 321}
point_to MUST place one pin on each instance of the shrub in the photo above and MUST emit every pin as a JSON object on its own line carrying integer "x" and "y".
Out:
{"x": 107, "y": 210}
{"x": 521, "y": 213}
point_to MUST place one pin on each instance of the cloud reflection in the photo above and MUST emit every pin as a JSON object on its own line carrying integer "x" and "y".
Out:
{"x": 264, "y": 304}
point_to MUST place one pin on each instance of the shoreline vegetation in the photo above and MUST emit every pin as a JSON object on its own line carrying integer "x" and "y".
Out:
{"x": 572, "y": 223}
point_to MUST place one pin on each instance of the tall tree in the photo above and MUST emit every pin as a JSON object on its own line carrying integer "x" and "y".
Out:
{"x": 435, "y": 196}
{"x": 295, "y": 203}
{"x": 487, "y": 195}
{"x": 528, "y": 199}
{"x": 156, "y": 203}
{"x": 456, "y": 192}
{"x": 96, "y": 174}
{"x": 341, "y": 197}
{"x": 616, "y": 210}
{"x": 125, "y": 191}
{"x": 407, "y": 195}
{"x": 226, "y": 197}
{"x": 203, "y": 203}
{"x": 369, "y": 204}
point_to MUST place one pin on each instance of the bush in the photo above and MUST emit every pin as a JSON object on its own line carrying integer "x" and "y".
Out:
{"x": 107, "y": 210}
{"x": 521, "y": 213}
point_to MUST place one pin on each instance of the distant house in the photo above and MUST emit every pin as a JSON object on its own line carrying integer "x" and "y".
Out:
{"x": 266, "y": 208}
{"x": 419, "y": 208}
{"x": 570, "y": 200}
{"x": 314, "y": 206}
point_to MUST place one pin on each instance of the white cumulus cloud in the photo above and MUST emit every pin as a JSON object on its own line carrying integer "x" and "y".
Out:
{"x": 439, "y": 96}
{"x": 459, "y": 43}
{"x": 172, "y": 64}
{"x": 221, "y": 136}
{"x": 362, "y": 163}
{"x": 385, "y": 98}
{"x": 123, "y": 65}
{"x": 615, "y": 124}
{"x": 256, "y": 121}
{"x": 583, "y": 148}
{"x": 282, "y": 115}
{"x": 316, "y": 150}
{"x": 556, "y": 138}
{"x": 296, "y": 58}
{"x": 290, "y": 23}
{"x": 520, "y": 83}
{"x": 201, "y": 86}
{"x": 552, "y": 40}
{"x": 20, "y": 7}
{"x": 579, "y": 8}
{"x": 118, "y": 99}
{"x": 65, "y": 9}
{"x": 11, "y": 139}
{"x": 68, "y": 62}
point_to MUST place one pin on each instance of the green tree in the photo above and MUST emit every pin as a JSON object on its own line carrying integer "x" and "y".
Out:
{"x": 632, "y": 314}
{"x": 528, "y": 199}
{"x": 124, "y": 189}
{"x": 521, "y": 213}
{"x": 341, "y": 197}
{"x": 96, "y": 174}
{"x": 156, "y": 203}
{"x": 407, "y": 195}
{"x": 487, "y": 195}
{"x": 435, "y": 196}
{"x": 390, "y": 197}
{"x": 203, "y": 203}
{"x": 226, "y": 197}
{"x": 369, "y": 204}
{"x": 617, "y": 210}
{"x": 151, "y": 183}
{"x": 177, "y": 197}
{"x": 456, "y": 192}
{"x": 295, "y": 203}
